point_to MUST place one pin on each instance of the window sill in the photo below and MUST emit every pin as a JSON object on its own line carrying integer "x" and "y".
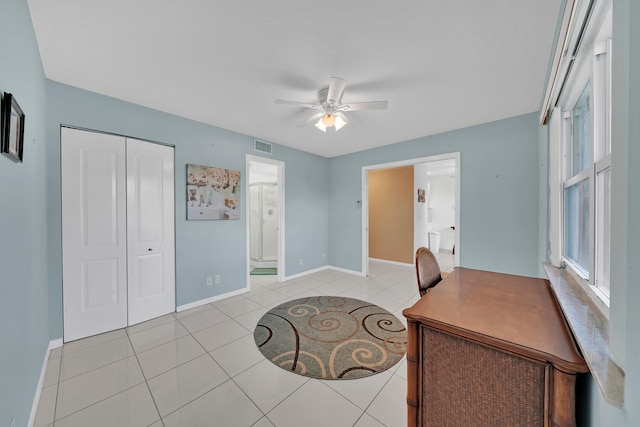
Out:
{"x": 591, "y": 331}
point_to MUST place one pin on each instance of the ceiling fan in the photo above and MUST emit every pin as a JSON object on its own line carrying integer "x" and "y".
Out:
{"x": 330, "y": 107}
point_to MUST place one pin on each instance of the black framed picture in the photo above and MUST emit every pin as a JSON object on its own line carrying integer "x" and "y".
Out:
{"x": 12, "y": 128}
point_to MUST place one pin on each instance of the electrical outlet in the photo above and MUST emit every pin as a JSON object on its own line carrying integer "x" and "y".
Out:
{"x": 218, "y": 279}
{"x": 324, "y": 256}
{"x": 299, "y": 261}
{"x": 209, "y": 280}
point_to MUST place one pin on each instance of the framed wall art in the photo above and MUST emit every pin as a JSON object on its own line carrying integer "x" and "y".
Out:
{"x": 11, "y": 128}
{"x": 212, "y": 193}
{"x": 421, "y": 195}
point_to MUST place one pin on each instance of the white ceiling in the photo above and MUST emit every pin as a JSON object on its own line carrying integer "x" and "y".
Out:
{"x": 442, "y": 65}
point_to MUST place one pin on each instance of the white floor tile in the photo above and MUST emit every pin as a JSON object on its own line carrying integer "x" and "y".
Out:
{"x": 361, "y": 391}
{"x": 390, "y": 407}
{"x": 314, "y": 405}
{"x": 292, "y": 292}
{"x": 250, "y": 320}
{"x": 184, "y": 313}
{"x": 86, "y": 389}
{"x": 203, "y": 319}
{"x": 367, "y": 420}
{"x": 231, "y": 300}
{"x": 185, "y": 383}
{"x": 84, "y": 343}
{"x": 56, "y": 353}
{"x": 263, "y": 422}
{"x": 52, "y": 374}
{"x": 267, "y": 385}
{"x": 225, "y": 405}
{"x": 306, "y": 283}
{"x": 130, "y": 408}
{"x": 331, "y": 289}
{"x": 189, "y": 387}
{"x": 265, "y": 297}
{"x": 238, "y": 356}
{"x": 46, "y": 406}
{"x": 401, "y": 370}
{"x": 94, "y": 357}
{"x": 157, "y": 335}
{"x": 167, "y": 356}
{"x": 220, "y": 335}
{"x": 167, "y": 318}
{"x": 240, "y": 307}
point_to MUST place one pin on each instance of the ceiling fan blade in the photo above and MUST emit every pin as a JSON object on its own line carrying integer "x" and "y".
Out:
{"x": 310, "y": 119}
{"x": 368, "y": 105}
{"x": 298, "y": 104}
{"x": 336, "y": 87}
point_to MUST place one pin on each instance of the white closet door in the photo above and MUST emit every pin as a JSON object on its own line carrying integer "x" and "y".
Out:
{"x": 94, "y": 262}
{"x": 150, "y": 235}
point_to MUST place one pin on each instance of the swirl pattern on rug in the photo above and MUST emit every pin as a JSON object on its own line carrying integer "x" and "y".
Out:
{"x": 331, "y": 337}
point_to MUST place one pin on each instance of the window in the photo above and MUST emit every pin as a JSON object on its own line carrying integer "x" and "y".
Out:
{"x": 576, "y": 186}
{"x": 586, "y": 165}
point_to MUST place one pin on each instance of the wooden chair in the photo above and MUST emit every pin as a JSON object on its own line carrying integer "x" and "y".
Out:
{"x": 427, "y": 270}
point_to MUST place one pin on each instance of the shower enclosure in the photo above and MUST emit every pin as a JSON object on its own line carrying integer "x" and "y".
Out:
{"x": 263, "y": 200}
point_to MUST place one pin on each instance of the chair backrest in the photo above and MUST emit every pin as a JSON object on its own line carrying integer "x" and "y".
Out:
{"x": 427, "y": 270}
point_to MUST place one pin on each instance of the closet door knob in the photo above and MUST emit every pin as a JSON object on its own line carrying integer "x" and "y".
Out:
{"x": 150, "y": 249}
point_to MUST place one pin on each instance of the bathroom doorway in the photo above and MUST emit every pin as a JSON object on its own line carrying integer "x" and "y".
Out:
{"x": 265, "y": 217}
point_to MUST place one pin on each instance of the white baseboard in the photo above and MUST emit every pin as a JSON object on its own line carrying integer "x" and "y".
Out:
{"x": 323, "y": 268}
{"x": 306, "y": 273}
{"x": 36, "y": 399}
{"x": 386, "y": 261}
{"x": 344, "y": 270}
{"x": 212, "y": 299}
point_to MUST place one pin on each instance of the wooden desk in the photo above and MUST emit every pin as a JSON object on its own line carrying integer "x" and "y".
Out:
{"x": 490, "y": 349}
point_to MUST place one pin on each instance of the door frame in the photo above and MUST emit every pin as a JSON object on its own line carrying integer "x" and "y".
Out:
{"x": 280, "y": 262}
{"x": 409, "y": 162}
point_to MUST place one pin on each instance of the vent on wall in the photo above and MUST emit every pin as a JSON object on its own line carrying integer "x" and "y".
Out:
{"x": 261, "y": 146}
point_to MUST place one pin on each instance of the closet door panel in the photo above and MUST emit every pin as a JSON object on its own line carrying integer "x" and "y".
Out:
{"x": 93, "y": 233}
{"x": 150, "y": 235}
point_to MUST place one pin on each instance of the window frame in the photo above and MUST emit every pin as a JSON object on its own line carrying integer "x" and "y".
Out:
{"x": 588, "y": 70}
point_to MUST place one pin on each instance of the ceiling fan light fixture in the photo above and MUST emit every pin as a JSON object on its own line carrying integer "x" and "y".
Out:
{"x": 330, "y": 109}
{"x": 328, "y": 120}
{"x": 321, "y": 125}
{"x": 339, "y": 123}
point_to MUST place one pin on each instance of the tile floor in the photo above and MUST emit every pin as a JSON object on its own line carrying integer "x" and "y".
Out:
{"x": 184, "y": 369}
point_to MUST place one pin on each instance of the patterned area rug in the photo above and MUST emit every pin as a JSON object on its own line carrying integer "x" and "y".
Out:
{"x": 331, "y": 337}
{"x": 264, "y": 271}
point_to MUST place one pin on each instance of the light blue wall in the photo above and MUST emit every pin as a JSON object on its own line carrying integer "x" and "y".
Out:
{"x": 499, "y": 194}
{"x": 203, "y": 248}
{"x": 23, "y": 235}
{"x": 625, "y": 183}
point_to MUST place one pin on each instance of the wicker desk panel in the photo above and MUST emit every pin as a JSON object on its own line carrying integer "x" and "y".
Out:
{"x": 490, "y": 349}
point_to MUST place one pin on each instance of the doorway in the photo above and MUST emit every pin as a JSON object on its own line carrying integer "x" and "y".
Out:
{"x": 118, "y": 250}
{"x": 433, "y": 177}
{"x": 265, "y": 218}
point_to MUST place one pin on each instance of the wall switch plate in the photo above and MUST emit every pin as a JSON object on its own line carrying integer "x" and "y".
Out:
{"x": 217, "y": 279}
{"x": 324, "y": 255}
{"x": 209, "y": 280}
{"x": 299, "y": 261}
